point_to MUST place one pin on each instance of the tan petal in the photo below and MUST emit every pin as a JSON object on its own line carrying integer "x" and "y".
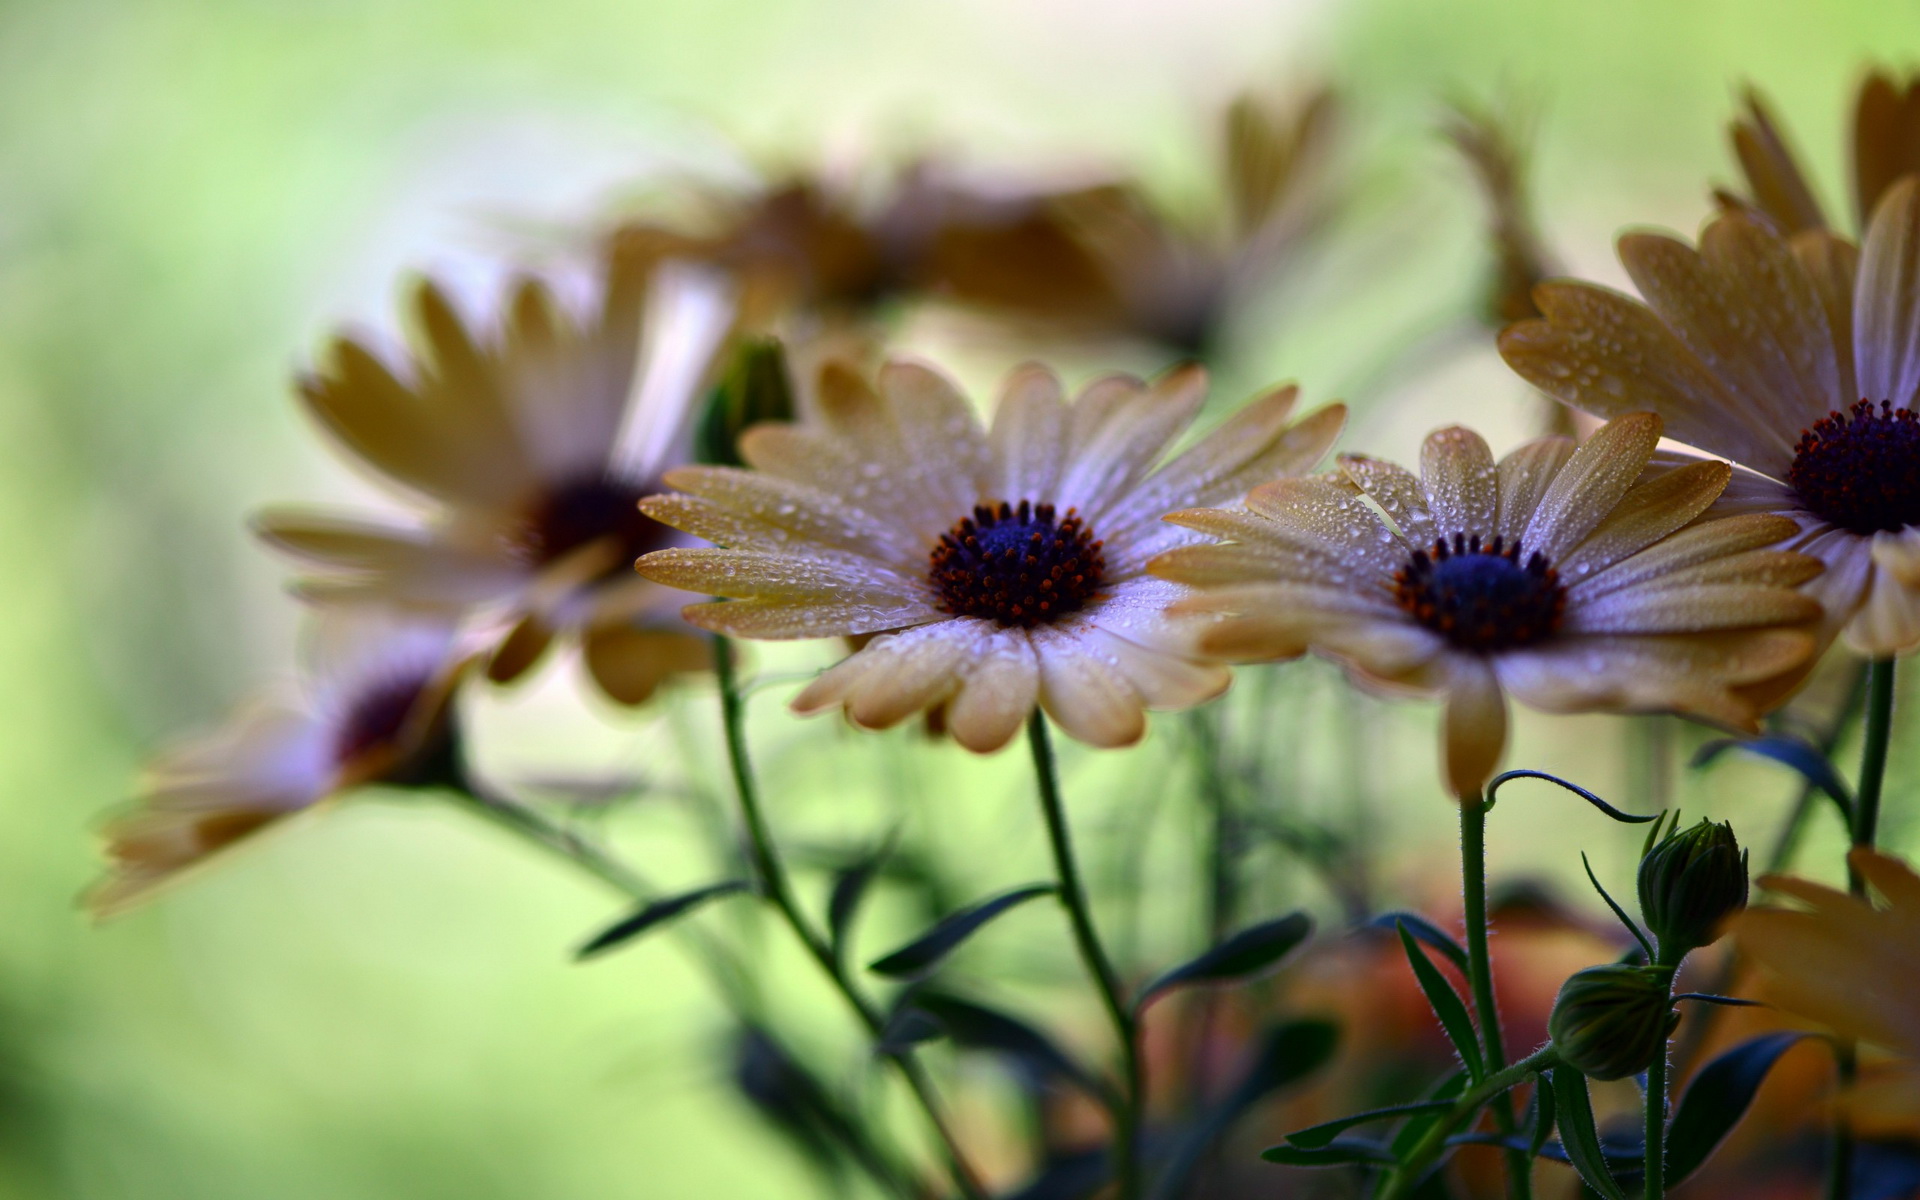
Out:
{"x": 1832, "y": 263}
{"x": 1691, "y": 547}
{"x": 1164, "y": 680}
{"x": 524, "y": 646}
{"x": 1522, "y": 480}
{"x": 1475, "y": 729}
{"x": 800, "y": 509}
{"x": 1772, "y": 171}
{"x": 782, "y": 619}
{"x": 400, "y": 563}
{"x": 947, "y": 465}
{"x": 1887, "y": 621}
{"x": 1398, "y": 493}
{"x": 1088, "y": 698}
{"x": 1029, "y": 435}
{"x": 1592, "y": 483}
{"x": 1696, "y": 674}
{"x": 1646, "y": 514}
{"x": 1457, "y": 473}
{"x": 895, "y": 675}
{"x": 1609, "y": 355}
{"x": 1690, "y": 609}
{"x": 813, "y": 575}
{"x": 1323, "y": 513}
{"x": 1113, "y": 454}
{"x": 997, "y": 693}
{"x": 1886, "y": 300}
{"x": 1885, "y": 144}
{"x": 629, "y": 664}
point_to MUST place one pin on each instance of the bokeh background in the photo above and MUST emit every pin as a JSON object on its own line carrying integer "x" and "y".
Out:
{"x": 380, "y": 1003}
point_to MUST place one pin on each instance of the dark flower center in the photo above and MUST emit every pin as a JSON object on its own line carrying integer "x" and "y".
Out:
{"x": 1482, "y": 597}
{"x": 376, "y": 717}
{"x": 1017, "y": 565}
{"x": 588, "y": 510}
{"x": 1861, "y": 469}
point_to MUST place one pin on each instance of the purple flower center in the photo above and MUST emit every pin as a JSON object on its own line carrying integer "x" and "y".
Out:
{"x": 588, "y": 510}
{"x": 1482, "y": 597}
{"x": 376, "y": 718}
{"x": 1017, "y": 565}
{"x": 1861, "y": 469}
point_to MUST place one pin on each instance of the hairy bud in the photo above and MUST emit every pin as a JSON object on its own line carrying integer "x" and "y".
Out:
{"x": 1690, "y": 883}
{"x": 1611, "y": 1021}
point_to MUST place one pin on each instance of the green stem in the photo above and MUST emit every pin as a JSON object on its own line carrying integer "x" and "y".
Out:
{"x": 1866, "y": 827}
{"x": 778, "y": 891}
{"x": 1074, "y": 897}
{"x": 1655, "y": 1160}
{"x": 1421, "y": 1156}
{"x": 1473, "y": 875}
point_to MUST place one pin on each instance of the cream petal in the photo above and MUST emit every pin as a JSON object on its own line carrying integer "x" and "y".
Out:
{"x": 1522, "y": 480}
{"x": 1887, "y": 621}
{"x": 1746, "y": 491}
{"x": 372, "y": 558}
{"x": 1649, "y": 512}
{"x": 1475, "y": 727}
{"x": 1113, "y": 455}
{"x": 801, "y": 509}
{"x": 1398, "y": 493}
{"x": 947, "y": 464}
{"x": 1832, "y": 264}
{"x": 814, "y": 575}
{"x": 1089, "y": 698}
{"x": 1592, "y": 483}
{"x": 1608, "y": 355}
{"x": 997, "y": 693}
{"x": 1688, "y": 609}
{"x": 922, "y": 668}
{"x": 1692, "y": 674}
{"x": 1163, "y": 679}
{"x": 783, "y": 620}
{"x": 1886, "y": 300}
{"x": 1457, "y": 473}
{"x": 1220, "y": 565}
{"x": 1029, "y": 435}
{"x": 630, "y": 664}
{"x": 1698, "y": 543}
{"x": 1842, "y": 589}
{"x": 1327, "y": 514}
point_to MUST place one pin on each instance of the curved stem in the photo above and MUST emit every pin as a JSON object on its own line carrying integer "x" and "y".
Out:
{"x": 1495, "y": 1086}
{"x": 1074, "y": 897}
{"x": 1866, "y": 827}
{"x": 1473, "y": 877}
{"x": 778, "y": 891}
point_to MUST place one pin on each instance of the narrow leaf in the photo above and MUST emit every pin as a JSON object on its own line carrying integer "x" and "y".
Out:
{"x": 1576, "y": 789}
{"x": 657, "y": 913}
{"x": 1415, "y": 1129}
{"x": 1615, "y": 906}
{"x": 924, "y": 953}
{"x": 1427, "y": 932}
{"x": 1717, "y": 1098}
{"x": 978, "y": 1027}
{"x": 1240, "y": 957}
{"x": 1287, "y": 1054}
{"x": 1447, "y": 1005}
{"x": 1800, "y": 755}
{"x": 1315, "y": 1136}
{"x": 1577, "y": 1134}
{"x": 909, "y": 1026}
{"x": 1338, "y": 1153}
{"x": 849, "y": 888}
{"x": 1542, "y": 1114}
{"x": 1726, "y": 1001}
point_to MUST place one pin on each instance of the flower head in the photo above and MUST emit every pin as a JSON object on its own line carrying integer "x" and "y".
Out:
{"x": 1610, "y": 1021}
{"x": 375, "y": 706}
{"x": 1690, "y": 883}
{"x": 1799, "y": 360}
{"x": 1574, "y": 578}
{"x": 1005, "y": 567}
{"x": 525, "y": 450}
{"x": 1885, "y": 142}
{"x": 1850, "y": 965}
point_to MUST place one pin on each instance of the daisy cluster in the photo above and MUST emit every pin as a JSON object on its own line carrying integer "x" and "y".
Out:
{"x": 723, "y": 446}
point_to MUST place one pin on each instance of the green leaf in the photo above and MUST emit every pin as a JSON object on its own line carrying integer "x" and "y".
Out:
{"x": 1613, "y": 904}
{"x": 1623, "y": 817}
{"x": 1339, "y": 1153}
{"x": 1315, "y": 1136}
{"x": 1411, "y": 1133}
{"x": 1577, "y": 1134}
{"x": 657, "y": 913}
{"x": 1802, "y": 756}
{"x": 1240, "y": 957}
{"x": 975, "y": 1026}
{"x": 850, "y": 887}
{"x": 1447, "y": 1005}
{"x": 1429, "y": 933}
{"x": 925, "y": 952}
{"x": 1542, "y": 1114}
{"x": 1717, "y": 1098}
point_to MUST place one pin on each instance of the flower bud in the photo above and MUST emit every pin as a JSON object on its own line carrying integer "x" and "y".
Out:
{"x": 755, "y": 388}
{"x": 1611, "y": 1021}
{"x": 1690, "y": 883}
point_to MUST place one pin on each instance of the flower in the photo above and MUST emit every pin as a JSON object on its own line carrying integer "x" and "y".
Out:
{"x": 1610, "y": 1021}
{"x": 528, "y": 450}
{"x": 375, "y": 707}
{"x": 1005, "y": 567}
{"x": 1886, "y": 146}
{"x": 1797, "y": 359}
{"x": 1690, "y": 883}
{"x": 1559, "y": 574}
{"x": 1851, "y": 965}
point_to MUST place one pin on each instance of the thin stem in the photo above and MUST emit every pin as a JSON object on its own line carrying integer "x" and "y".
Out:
{"x": 1414, "y": 1167}
{"x": 778, "y": 891}
{"x": 1656, "y": 1105}
{"x": 1866, "y": 827}
{"x": 1473, "y": 876}
{"x": 1074, "y": 897}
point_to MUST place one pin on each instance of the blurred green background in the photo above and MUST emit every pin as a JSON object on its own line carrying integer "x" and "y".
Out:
{"x": 379, "y": 1003}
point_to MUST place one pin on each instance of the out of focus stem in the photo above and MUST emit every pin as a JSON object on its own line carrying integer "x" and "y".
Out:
{"x": 1473, "y": 878}
{"x": 1878, "y": 734}
{"x": 1421, "y": 1157}
{"x": 1086, "y": 937}
{"x": 777, "y": 889}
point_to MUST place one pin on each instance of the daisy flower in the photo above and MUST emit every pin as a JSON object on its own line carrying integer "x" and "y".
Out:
{"x": 374, "y": 705}
{"x": 525, "y": 450}
{"x": 1002, "y": 567}
{"x": 1571, "y": 578}
{"x": 1885, "y": 144}
{"x": 1798, "y": 359}
{"x": 1850, "y": 965}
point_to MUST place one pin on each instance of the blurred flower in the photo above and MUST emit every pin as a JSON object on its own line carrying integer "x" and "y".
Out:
{"x": 1611, "y": 1020}
{"x": 1180, "y": 283}
{"x": 1798, "y": 360}
{"x": 1006, "y": 567}
{"x": 1557, "y": 575}
{"x": 1851, "y": 966}
{"x": 375, "y": 707}
{"x": 1885, "y": 144}
{"x": 1491, "y": 145}
{"x": 528, "y": 450}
